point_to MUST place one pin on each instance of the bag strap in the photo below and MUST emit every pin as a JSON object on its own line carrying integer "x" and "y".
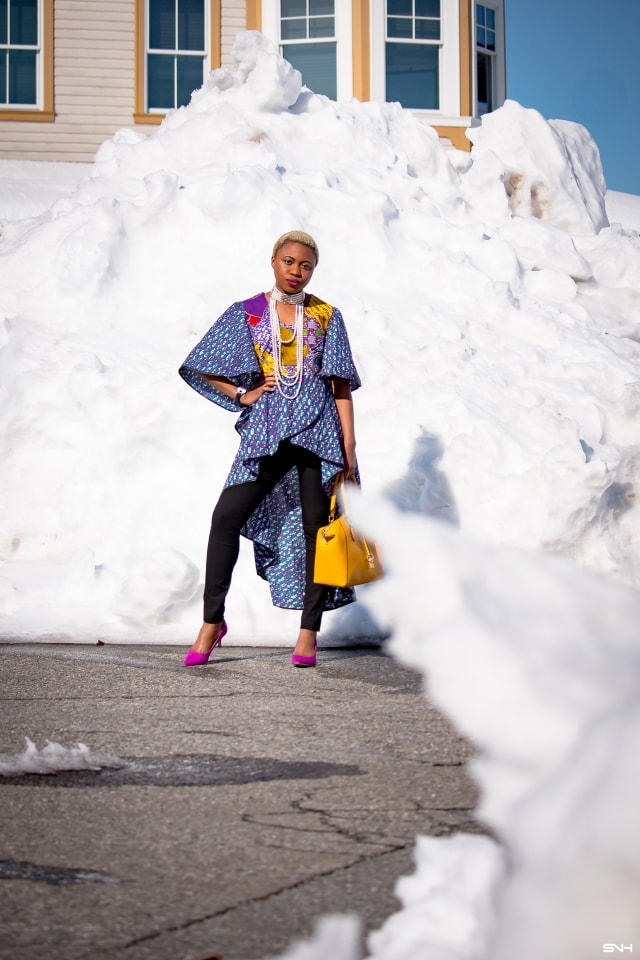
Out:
{"x": 333, "y": 502}
{"x": 339, "y": 486}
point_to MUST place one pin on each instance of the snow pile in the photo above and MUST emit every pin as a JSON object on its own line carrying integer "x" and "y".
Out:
{"x": 497, "y": 338}
{"x": 335, "y": 937}
{"x": 448, "y": 904}
{"x": 29, "y": 187}
{"x": 539, "y": 664}
{"x": 54, "y": 758}
{"x": 623, "y": 209}
{"x": 551, "y": 170}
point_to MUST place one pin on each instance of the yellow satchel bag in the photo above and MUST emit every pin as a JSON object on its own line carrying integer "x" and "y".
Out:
{"x": 343, "y": 557}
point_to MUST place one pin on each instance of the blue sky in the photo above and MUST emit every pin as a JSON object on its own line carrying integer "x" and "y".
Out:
{"x": 579, "y": 60}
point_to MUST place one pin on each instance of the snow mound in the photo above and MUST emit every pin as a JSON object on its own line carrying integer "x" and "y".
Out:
{"x": 53, "y": 758}
{"x": 551, "y": 170}
{"x": 497, "y": 337}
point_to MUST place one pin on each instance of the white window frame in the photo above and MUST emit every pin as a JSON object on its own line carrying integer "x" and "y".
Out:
{"x": 448, "y": 111}
{"x": 343, "y": 34}
{"x": 38, "y": 105}
{"x": 205, "y": 55}
{"x": 498, "y": 58}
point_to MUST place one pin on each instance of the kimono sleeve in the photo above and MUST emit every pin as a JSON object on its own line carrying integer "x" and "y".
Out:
{"x": 337, "y": 360}
{"x": 225, "y": 351}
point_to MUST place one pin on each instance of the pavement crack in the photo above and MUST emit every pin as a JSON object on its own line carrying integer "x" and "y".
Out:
{"x": 263, "y": 898}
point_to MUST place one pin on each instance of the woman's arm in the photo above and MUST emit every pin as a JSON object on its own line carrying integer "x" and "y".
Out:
{"x": 344, "y": 406}
{"x": 265, "y": 385}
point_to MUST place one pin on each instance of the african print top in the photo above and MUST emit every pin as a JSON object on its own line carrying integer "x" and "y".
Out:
{"x": 238, "y": 347}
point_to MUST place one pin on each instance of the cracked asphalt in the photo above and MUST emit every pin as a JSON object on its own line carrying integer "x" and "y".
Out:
{"x": 255, "y": 798}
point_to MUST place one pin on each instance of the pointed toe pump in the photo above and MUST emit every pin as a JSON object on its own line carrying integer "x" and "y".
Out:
{"x": 297, "y": 660}
{"x": 194, "y": 659}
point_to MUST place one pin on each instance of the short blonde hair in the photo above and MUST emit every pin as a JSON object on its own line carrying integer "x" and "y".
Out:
{"x": 296, "y": 236}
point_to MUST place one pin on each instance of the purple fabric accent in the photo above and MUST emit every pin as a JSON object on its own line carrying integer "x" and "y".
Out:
{"x": 256, "y": 305}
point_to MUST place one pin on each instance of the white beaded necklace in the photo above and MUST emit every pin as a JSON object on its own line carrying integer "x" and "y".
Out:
{"x": 287, "y": 384}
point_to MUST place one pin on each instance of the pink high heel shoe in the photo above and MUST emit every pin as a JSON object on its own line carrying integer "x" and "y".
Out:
{"x": 297, "y": 660}
{"x": 194, "y": 659}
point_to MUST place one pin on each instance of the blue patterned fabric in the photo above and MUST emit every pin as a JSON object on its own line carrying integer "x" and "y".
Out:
{"x": 238, "y": 347}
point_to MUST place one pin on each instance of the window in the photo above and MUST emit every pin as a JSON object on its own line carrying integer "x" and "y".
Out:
{"x": 20, "y": 54}
{"x": 486, "y": 58}
{"x": 308, "y": 42}
{"x": 176, "y": 53}
{"x": 412, "y": 53}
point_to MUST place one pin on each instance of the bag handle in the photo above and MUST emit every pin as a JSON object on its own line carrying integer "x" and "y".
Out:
{"x": 339, "y": 484}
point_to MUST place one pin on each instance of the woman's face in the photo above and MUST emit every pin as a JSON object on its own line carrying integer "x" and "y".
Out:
{"x": 293, "y": 267}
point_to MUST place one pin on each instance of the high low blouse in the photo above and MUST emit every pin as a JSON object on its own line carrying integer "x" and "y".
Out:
{"x": 238, "y": 347}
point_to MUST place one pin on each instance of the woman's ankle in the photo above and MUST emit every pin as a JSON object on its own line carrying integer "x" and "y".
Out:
{"x": 306, "y": 642}
{"x": 207, "y": 636}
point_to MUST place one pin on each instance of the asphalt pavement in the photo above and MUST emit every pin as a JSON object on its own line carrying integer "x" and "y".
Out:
{"x": 256, "y": 798}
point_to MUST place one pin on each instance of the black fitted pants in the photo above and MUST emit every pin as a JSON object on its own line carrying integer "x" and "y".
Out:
{"x": 235, "y": 506}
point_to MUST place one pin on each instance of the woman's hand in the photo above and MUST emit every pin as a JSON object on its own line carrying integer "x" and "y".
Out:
{"x": 266, "y": 384}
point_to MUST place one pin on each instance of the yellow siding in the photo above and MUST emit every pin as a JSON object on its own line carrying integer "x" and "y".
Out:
{"x": 254, "y": 14}
{"x": 455, "y": 135}
{"x": 361, "y": 49}
{"x": 467, "y": 52}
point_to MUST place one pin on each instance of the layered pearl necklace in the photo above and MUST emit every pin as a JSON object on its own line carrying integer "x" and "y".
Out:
{"x": 287, "y": 384}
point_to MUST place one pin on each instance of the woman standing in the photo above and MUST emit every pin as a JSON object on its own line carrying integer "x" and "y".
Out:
{"x": 283, "y": 360}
